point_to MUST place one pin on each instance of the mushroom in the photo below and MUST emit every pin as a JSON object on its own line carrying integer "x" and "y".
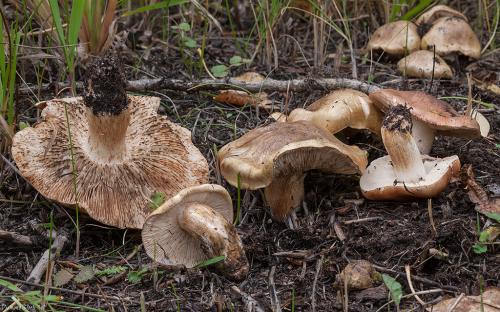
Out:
{"x": 396, "y": 38}
{"x": 423, "y": 64}
{"x": 436, "y": 12}
{"x": 452, "y": 35}
{"x": 405, "y": 173}
{"x": 338, "y": 110}
{"x": 193, "y": 226}
{"x": 276, "y": 158}
{"x": 242, "y": 98}
{"x": 111, "y": 153}
{"x": 430, "y": 116}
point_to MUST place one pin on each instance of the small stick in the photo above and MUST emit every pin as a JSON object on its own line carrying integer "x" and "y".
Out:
{"x": 251, "y": 303}
{"x": 275, "y": 301}
{"x": 469, "y": 95}
{"x": 362, "y": 220}
{"x": 16, "y": 239}
{"x": 408, "y": 279}
{"x": 416, "y": 278}
{"x": 425, "y": 292}
{"x": 319, "y": 264}
{"x": 51, "y": 253}
{"x": 456, "y": 302}
{"x": 431, "y": 217}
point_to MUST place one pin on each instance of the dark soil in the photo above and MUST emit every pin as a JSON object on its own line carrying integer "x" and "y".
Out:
{"x": 298, "y": 266}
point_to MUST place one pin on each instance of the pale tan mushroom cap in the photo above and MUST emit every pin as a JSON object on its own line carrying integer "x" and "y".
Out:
{"x": 380, "y": 183}
{"x": 452, "y": 35}
{"x": 435, "y": 113}
{"x": 340, "y": 109}
{"x": 395, "y": 38}
{"x": 421, "y": 64}
{"x": 160, "y": 157}
{"x": 166, "y": 242}
{"x": 284, "y": 148}
{"x": 437, "y": 12}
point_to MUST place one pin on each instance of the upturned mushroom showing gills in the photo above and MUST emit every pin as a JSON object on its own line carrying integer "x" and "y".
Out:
{"x": 113, "y": 148}
{"x": 276, "y": 158}
{"x": 193, "y": 226}
{"x": 396, "y": 38}
{"x": 338, "y": 110}
{"x": 405, "y": 173}
{"x": 430, "y": 116}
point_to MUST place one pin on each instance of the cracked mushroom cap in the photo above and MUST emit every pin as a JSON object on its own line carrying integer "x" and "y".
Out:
{"x": 276, "y": 157}
{"x": 338, "y": 110}
{"x": 422, "y": 64}
{"x": 113, "y": 184}
{"x": 437, "y": 12}
{"x": 396, "y": 38}
{"x": 188, "y": 228}
{"x": 425, "y": 108}
{"x": 452, "y": 35}
{"x": 379, "y": 182}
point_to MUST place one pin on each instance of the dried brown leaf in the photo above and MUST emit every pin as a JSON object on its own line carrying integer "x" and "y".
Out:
{"x": 477, "y": 194}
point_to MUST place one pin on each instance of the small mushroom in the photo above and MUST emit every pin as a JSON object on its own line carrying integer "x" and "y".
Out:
{"x": 405, "y": 173}
{"x": 242, "y": 98}
{"x": 430, "y": 116}
{"x": 193, "y": 226}
{"x": 423, "y": 64}
{"x": 396, "y": 38}
{"x": 338, "y": 110}
{"x": 450, "y": 35}
{"x": 436, "y": 12}
{"x": 116, "y": 153}
{"x": 276, "y": 158}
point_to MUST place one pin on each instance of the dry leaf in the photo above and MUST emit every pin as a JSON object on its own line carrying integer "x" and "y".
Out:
{"x": 490, "y": 303}
{"x": 357, "y": 274}
{"x": 242, "y": 98}
{"x": 477, "y": 194}
{"x": 62, "y": 277}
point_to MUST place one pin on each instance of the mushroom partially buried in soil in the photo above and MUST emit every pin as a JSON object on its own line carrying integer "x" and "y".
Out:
{"x": 450, "y": 35}
{"x": 338, "y": 110}
{"x": 430, "y": 116}
{"x": 122, "y": 151}
{"x": 396, "y": 38}
{"x": 276, "y": 157}
{"x": 193, "y": 226}
{"x": 405, "y": 173}
{"x": 424, "y": 64}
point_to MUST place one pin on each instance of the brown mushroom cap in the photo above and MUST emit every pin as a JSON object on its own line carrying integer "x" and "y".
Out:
{"x": 437, "y": 12}
{"x": 341, "y": 109}
{"x": 396, "y": 38}
{"x": 380, "y": 183}
{"x": 114, "y": 189}
{"x": 169, "y": 239}
{"x": 434, "y": 113}
{"x": 242, "y": 98}
{"x": 277, "y": 156}
{"x": 422, "y": 64}
{"x": 452, "y": 35}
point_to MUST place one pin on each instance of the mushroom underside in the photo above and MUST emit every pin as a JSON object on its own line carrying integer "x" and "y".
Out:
{"x": 379, "y": 181}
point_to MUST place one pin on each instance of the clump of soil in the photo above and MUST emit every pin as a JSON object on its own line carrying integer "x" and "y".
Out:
{"x": 105, "y": 83}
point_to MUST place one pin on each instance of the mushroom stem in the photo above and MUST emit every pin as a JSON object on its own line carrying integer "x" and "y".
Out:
{"x": 106, "y": 139}
{"x": 285, "y": 194}
{"x": 423, "y": 135}
{"x": 400, "y": 145}
{"x": 217, "y": 237}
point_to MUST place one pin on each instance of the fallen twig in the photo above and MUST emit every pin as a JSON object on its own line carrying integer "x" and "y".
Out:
{"x": 16, "y": 239}
{"x": 408, "y": 279}
{"x": 416, "y": 278}
{"x": 362, "y": 220}
{"x": 251, "y": 303}
{"x": 275, "y": 301}
{"x": 297, "y": 85}
{"x": 319, "y": 264}
{"x": 49, "y": 255}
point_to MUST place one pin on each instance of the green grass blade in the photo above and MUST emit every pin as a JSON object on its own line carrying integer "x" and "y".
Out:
{"x": 420, "y": 7}
{"x": 56, "y": 16}
{"x": 155, "y": 6}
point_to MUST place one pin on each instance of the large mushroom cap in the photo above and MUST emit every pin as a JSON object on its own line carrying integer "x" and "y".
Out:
{"x": 159, "y": 157}
{"x": 166, "y": 241}
{"x": 434, "y": 113}
{"x": 396, "y": 38}
{"x": 423, "y": 64}
{"x": 452, "y": 35}
{"x": 437, "y": 12}
{"x": 340, "y": 109}
{"x": 277, "y": 156}
{"x": 380, "y": 183}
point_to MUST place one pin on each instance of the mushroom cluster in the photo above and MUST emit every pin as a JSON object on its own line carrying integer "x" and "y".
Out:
{"x": 448, "y": 33}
